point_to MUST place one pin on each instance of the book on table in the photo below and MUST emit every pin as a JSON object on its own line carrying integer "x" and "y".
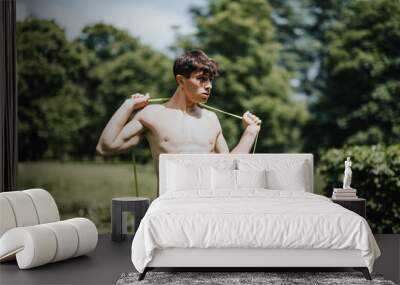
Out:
{"x": 344, "y": 194}
{"x": 335, "y": 197}
{"x": 341, "y": 190}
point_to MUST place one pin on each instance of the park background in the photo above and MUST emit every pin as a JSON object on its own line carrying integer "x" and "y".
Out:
{"x": 324, "y": 77}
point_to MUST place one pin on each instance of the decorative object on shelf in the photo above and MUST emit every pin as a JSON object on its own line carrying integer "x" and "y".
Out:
{"x": 346, "y": 192}
{"x": 347, "y": 174}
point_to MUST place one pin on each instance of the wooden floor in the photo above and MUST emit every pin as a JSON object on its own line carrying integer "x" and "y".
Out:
{"x": 111, "y": 259}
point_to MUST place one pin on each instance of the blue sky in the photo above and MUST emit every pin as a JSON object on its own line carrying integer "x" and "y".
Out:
{"x": 150, "y": 20}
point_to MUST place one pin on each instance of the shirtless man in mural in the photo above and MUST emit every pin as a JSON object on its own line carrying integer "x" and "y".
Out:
{"x": 179, "y": 125}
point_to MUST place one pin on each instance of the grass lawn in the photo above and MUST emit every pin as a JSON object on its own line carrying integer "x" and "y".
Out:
{"x": 86, "y": 189}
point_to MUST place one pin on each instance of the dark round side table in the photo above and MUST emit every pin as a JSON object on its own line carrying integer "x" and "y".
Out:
{"x": 136, "y": 205}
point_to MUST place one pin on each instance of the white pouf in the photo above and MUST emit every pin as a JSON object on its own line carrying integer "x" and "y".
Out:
{"x": 31, "y": 232}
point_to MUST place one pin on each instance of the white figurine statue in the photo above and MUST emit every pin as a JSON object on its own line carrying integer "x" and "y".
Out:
{"x": 347, "y": 174}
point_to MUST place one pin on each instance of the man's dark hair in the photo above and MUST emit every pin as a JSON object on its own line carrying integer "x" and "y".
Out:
{"x": 193, "y": 61}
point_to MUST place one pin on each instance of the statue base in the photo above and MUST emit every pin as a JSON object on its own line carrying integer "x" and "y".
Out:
{"x": 346, "y": 190}
{"x": 344, "y": 193}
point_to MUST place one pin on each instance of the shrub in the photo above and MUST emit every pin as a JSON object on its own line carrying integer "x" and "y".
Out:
{"x": 376, "y": 176}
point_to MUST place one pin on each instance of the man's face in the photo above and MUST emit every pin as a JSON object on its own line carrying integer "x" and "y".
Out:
{"x": 197, "y": 87}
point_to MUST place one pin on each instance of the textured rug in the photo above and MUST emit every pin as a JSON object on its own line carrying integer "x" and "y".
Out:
{"x": 231, "y": 278}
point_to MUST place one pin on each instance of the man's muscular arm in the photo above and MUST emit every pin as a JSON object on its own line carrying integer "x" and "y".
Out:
{"x": 118, "y": 135}
{"x": 252, "y": 127}
{"x": 221, "y": 146}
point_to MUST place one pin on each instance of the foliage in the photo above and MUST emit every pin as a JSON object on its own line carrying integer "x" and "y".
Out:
{"x": 361, "y": 69}
{"x": 240, "y": 36}
{"x": 48, "y": 77}
{"x": 106, "y": 41}
{"x": 301, "y": 27}
{"x": 119, "y": 67}
{"x": 376, "y": 176}
{"x": 295, "y": 24}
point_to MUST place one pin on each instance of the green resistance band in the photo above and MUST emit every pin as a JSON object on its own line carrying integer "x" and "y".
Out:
{"x": 158, "y": 100}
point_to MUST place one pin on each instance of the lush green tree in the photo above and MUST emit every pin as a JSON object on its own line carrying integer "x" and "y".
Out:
{"x": 50, "y": 100}
{"x": 107, "y": 41}
{"x": 359, "y": 103}
{"x": 119, "y": 65}
{"x": 295, "y": 22}
{"x": 241, "y": 37}
{"x": 301, "y": 27}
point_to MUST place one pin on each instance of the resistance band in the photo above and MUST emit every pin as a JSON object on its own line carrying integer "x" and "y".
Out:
{"x": 157, "y": 100}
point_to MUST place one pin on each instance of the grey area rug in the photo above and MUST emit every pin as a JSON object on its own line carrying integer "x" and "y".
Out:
{"x": 231, "y": 278}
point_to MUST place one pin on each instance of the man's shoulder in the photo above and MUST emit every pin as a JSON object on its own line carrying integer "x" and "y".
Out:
{"x": 149, "y": 111}
{"x": 151, "y": 108}
{"x": 209, "y": 114}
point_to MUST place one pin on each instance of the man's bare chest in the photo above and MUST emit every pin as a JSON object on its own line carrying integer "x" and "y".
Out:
{"x": 179, "y": 130}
